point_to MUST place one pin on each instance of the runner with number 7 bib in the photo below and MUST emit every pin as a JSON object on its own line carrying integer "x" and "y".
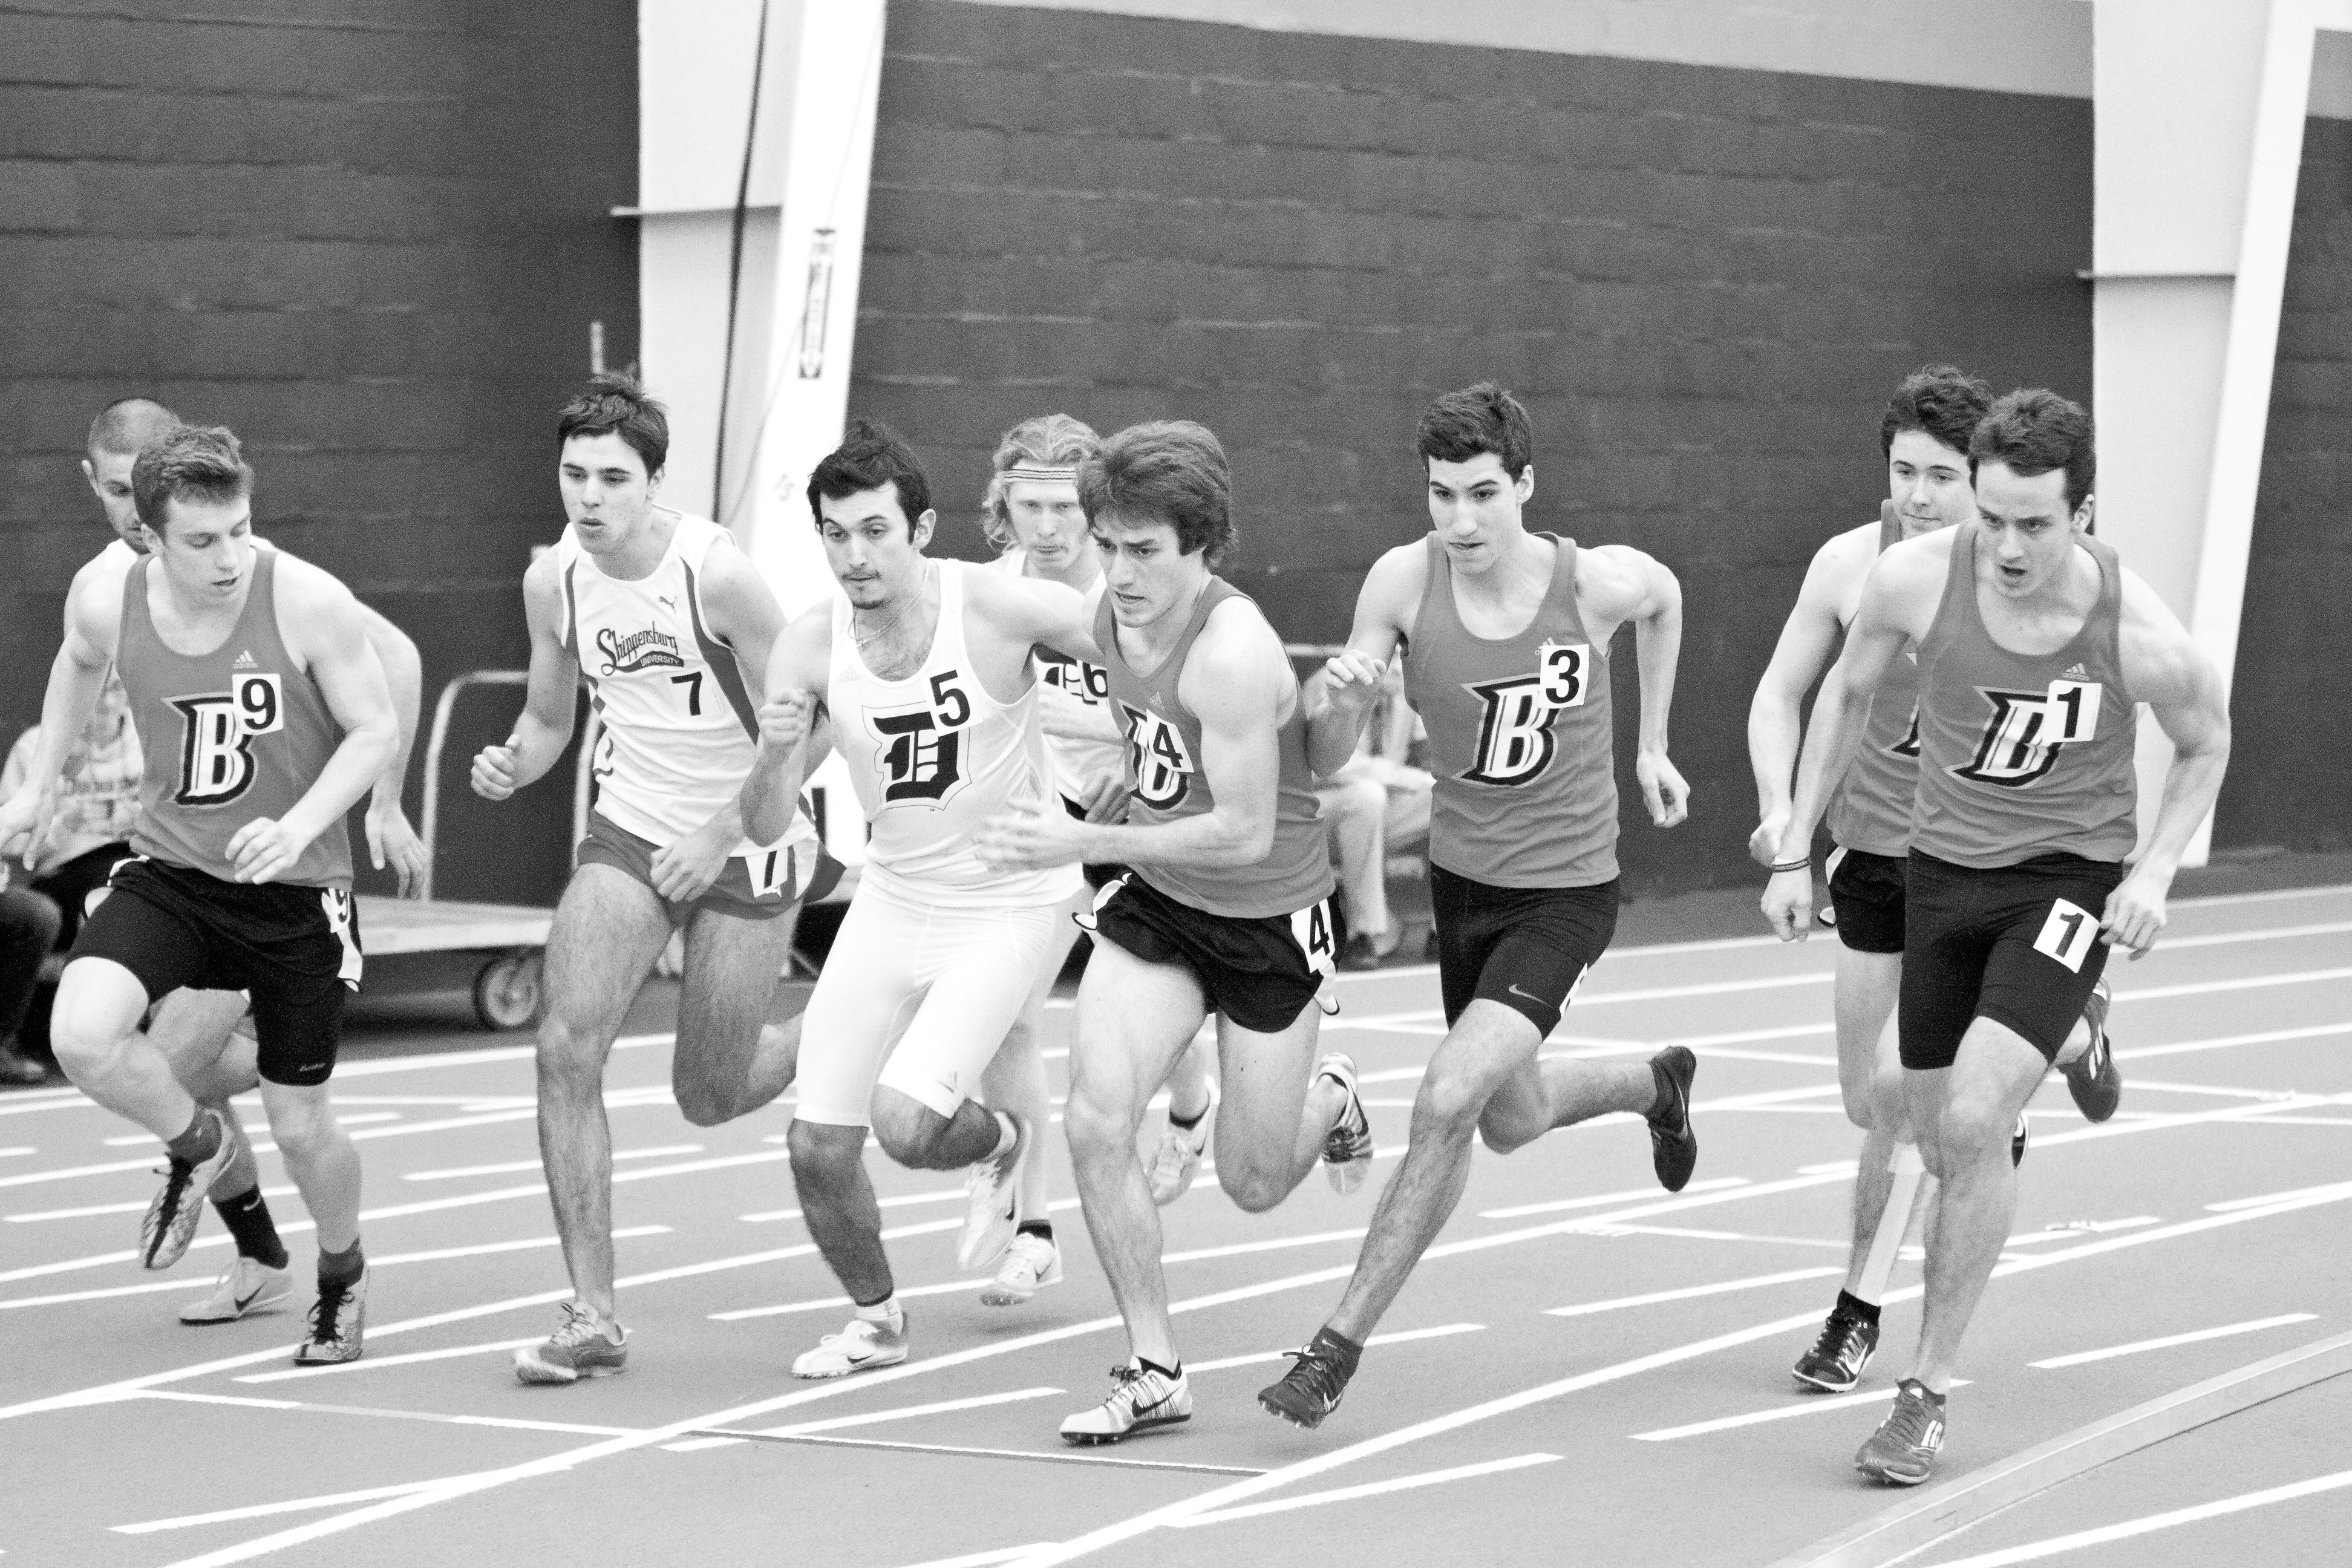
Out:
{"x": 2034, "y": 648}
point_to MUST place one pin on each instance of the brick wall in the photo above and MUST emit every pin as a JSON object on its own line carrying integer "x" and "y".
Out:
{"x": 2291, "y": 708}
{"x": 371, "y": 239}
{"x": 1703, "y": 282}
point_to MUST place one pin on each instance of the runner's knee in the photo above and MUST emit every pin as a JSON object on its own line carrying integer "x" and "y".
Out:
{"x": 303, "y": 1128}
{"x": 908, "y": 1131}
{"x": 1096, "y": 1125}
{"x": 1253, "y": 1189}
{"x": 824, "y": 1158}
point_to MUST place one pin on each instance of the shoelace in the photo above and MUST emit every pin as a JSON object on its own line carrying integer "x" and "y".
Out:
{"x": 1841, "y": 1337}
{"x": 579, "y": 1325}
{"x": 325, "y": 1326}
{"x": 1318, "y": 1371}
{"x": 1911, "y": 1419}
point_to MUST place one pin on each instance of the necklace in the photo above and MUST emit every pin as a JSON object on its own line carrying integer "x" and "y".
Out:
{"x": 898, "y": 620}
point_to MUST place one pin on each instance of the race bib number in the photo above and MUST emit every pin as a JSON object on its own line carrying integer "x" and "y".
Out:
{"x": 260, "y": 704}
{"x": 769, "y": 871}
{"x": 2068, "y": 933}
{"x": 1311, "y": 929}
{"x": 2074, "y": 709}
{"x": 1560, "y": 673}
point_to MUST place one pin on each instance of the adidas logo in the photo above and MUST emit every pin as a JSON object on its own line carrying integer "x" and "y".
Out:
{"x": 246, "y": 661}
{"x": 2076, "y": 672}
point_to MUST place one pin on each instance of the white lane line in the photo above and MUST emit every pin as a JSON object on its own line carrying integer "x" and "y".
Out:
{"x": 2081, "y": 1357}
{"x": 2267, "y": 1036}
{"x": 2244, "y": 982}
{"x": 264, "y": 1509}
{"x": 1803, "y": 1405}
{"x": 22, "y": 1149}
{"x": 821, "y": 1303}
{"x": 137, "y": 1205}
{"x": 358, "y": 1119}
{"x": 1371, "y": 1489}
{"x": 869, "y": 1418}
{"x": 370, "y": 1363}
{"x": 2214, "y": 1090}
{"x": 1258, "y": 1357}
{"x": 152, "y": 1287}
{"x": 1602, "y": 1200}
{"x": 1716, "y": 1235}
{"x": 509, "y": 1167}
{"x": 2272, "y": 933}
{"x": 1688, "y": 1292}
{"x": 2221, "y": 900}
{"x": 2074, "y": 1229}
{"x": 1275, "y": 1244}
{"x": 986, "y": 1559}
{"x": 2330, "y": 1189}
{"x": 2151, "y": 1522}
{"x": 513, "y": 1423}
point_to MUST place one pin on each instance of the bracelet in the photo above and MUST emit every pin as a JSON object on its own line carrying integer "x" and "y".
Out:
{"x": 1805, "y": 864}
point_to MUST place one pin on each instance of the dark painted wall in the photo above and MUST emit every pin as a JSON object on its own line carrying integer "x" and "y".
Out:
{"x": 2289, "y": 779}
{"x": 1704, "y": 283}
{"x": 368, "y": 237}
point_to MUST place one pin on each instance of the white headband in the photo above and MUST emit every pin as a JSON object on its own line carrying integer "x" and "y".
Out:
{"x": 1039, "y": 472}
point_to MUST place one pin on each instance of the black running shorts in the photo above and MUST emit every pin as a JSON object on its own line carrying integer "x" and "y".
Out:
{"x": 1261, "y": 972}
{"x": 750, "y": 891}
{"x": 2017, "y": 944}
{"x": 295, "y": 950}
{"x": 1524, "y": 948}
{"x": 1867, "y": 890}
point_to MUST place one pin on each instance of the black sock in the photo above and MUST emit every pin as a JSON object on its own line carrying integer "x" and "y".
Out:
{"x": 1169, "y": 1373}
{"x": 1042, "y": 1230}
{"x": 341, "y": 1268}
{"x": 248, "y": 1218}
{"x": 1187, "y": 1122}
{"x": 198, "y": 1141}
{"x": 1854, "y": 1306}
{"x": 1333, "y": 1340}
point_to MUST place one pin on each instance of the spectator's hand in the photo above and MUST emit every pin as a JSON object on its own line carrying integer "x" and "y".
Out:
{"x": 24, "y": 819}
{"x": 684, "y": 871}
{"x": 493, "y": 777}
{"x": 1662, "y": 788}
{"x": 1104, "y": 798}
{"x": 1031, "y": 838}
{"x": 390, "y": 837}
{"x": 264, "y": 850}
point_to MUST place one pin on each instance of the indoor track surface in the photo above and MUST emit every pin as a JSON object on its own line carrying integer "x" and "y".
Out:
{"x": 1584, "y": 1370}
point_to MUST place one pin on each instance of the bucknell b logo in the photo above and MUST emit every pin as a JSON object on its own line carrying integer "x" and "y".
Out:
{"x": 1156, "y": 758}
{"x": 2020, "y": 743}
{"x": 1515, "y": 738}
{"x": 922, "y": 748}
{"x": 217, "y": 734}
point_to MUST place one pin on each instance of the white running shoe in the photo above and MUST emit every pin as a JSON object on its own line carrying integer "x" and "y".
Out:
{"x": 1139, "y": 1401}
{"x": 1030, "y": 1265}
{"x": 992, "y": 1193}
{"x": 1177, "y": 1160}
{"x": 861, "y": 1347}
{"x": 1348, "y": 1147}
{"x": 247, "y": 1285}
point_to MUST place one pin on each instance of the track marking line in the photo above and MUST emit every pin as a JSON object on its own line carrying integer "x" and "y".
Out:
{"x": 264, "y": 1509}
{"x": 1371, "y": 1489}
{"x": 2264, "y": 1037}
{"x": 821, "y": 1303}
{"x": 514, "y": 1423}
{"x": 2213, "y": 1089}
{"x": 357, "y": 1118}
{"x": 370, "y": 1363}
{"x": 985, "y": 1559}
{"x": 2077, "y": 1227}
{"x": 1804, "y": 1404}
{"x": 1721, "y": 1235}
{"x": 137, "y": 1205}
{"x": 1257, "y": 1358}
{"x": 871, "y": 1416}
{"x": 2150, "y": 1522}
{"x": 2330, "y": 1189}
{"x": 1686, "y": 1292}
{"x": 2261, "y": 933}
{"x": 1060, "y": 1456}
{"x": 2242, "y": 982}
{"x": 2081, "y": 1357}
{"x": 509, "y": 1167}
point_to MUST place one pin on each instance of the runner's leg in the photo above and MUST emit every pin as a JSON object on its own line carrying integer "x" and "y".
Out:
{"x": 320, "y": 1156}
{"x": 1277, "y": 1112}
{"x": 731, "y": 1060}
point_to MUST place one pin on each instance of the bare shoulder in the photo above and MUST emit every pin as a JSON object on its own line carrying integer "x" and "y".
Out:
{"x": 1845, "y": 559}
{"x": 2162, "y": 663}
{"x": 1614, "y": 579}
{"x": 1392, "y": 588}
{"x": 802, "y": 656}
{"x": 312, "y": 591}
{"x": 1237, "y": 662}
{"x": 1913, "y": 564}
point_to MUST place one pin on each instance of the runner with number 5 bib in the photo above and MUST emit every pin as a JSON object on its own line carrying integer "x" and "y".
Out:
{"x": 2034, "y": 648}
{"x": 1508, "y": 635}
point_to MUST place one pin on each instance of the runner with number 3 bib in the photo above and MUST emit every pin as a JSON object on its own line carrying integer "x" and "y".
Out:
{"x": 2035, "y": 648}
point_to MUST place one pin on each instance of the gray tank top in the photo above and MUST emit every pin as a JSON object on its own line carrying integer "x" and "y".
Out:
{"x": 1164, "y": 774}
{"x": 231, "y": 735}
{"x": 1519, "y": 738}
{"x": 2024, "y": 754}
{"x": 1871, "y": 811}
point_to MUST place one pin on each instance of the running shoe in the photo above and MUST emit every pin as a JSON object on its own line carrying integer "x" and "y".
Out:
{"x": 992, "y": 1198}
{"x": 1348, "y": 1147}
{"x": 1030, "y": 1264}
{"x": 2092, "y": 1078}
{"x": 1673, "y": 1142}
{"x": 1903, "y": 1450}
{"x": 171, "y": 1222}
{"x": 588, "y": 1344}
{"x": 1139, "y": 1402}
{"x": 2017, "y": 1137}
{"x": 338, "y": 1324}
{"x": 1178, "y": 1161}
{"x": 1837, "y": 1358}
{"x": 246, "y": 1286}
{"x": 1314, "y": 1385}
{"x": 863, "y": 1346}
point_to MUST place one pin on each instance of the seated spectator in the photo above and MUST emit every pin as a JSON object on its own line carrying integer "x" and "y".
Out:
{"x": 1376, "y": 803}
{"x": 97, "y": 807}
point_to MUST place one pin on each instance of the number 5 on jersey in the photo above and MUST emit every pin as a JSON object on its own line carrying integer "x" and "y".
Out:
{"x": 2068, "y": 933}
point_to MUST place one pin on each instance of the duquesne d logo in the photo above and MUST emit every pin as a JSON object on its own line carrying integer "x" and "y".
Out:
{"x": 1156, "y": 758}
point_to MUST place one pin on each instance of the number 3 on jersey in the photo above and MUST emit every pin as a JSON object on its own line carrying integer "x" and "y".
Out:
{"x": 2068, "y": 933}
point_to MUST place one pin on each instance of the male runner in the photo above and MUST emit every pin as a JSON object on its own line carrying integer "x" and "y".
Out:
{"x": 1924, "y": 438}
{"x": 263, "y": 716}
{"x": 206, "y": 1035}
{"x": 2035, "y": 645}
{"x": 671, "y": 625}
{"x": 1226, "y": 911}
{"x": 1508, "y": 633}
{"x": 924, "y": 668}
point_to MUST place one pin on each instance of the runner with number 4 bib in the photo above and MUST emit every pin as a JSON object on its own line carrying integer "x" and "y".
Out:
{"x": 1508, "y": 635}
{"x": 2035, "y": 648}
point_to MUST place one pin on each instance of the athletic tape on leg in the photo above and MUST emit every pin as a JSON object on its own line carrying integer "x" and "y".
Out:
{"x": 1886, "y": 1241}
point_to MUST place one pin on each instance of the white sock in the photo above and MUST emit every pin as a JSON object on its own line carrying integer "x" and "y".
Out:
{"x": 885, "y": 1311}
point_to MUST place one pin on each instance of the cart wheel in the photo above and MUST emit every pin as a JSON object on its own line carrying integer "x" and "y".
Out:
{"x": 507, "y": 994}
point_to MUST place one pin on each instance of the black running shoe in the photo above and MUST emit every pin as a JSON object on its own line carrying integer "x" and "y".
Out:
{"x": 2092, "y": 1078}
{"x": 2017, "y": 1139}
{"x": 1673, "y": 1142}
{"x": 1837, "y": 1358}
{"x": 1314, "y": 1385}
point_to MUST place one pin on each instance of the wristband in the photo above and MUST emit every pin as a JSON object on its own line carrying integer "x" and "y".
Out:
{"x": 1803, "y": 865}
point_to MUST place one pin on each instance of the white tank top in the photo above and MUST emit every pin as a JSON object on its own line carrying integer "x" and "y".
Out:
{"x": 934, "y": 758}
{"x": 679, "y": 728}
{"x": 1074, "y": 761}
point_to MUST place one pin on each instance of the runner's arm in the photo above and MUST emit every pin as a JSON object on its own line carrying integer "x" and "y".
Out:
{"x": 1776, "y": 713}
{"x": 792, "y": 725}
{"x": 389, "y": 835}
{"x": 2163, "y": 667}
{"x": 746, "y": 618}
{"x": 93, "y": 621}
{"x": 544, "y": 727}
{"x": 323, "y": 616}
{"x": 1350, "y": 688}
{"x": 1636, "y": 588}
